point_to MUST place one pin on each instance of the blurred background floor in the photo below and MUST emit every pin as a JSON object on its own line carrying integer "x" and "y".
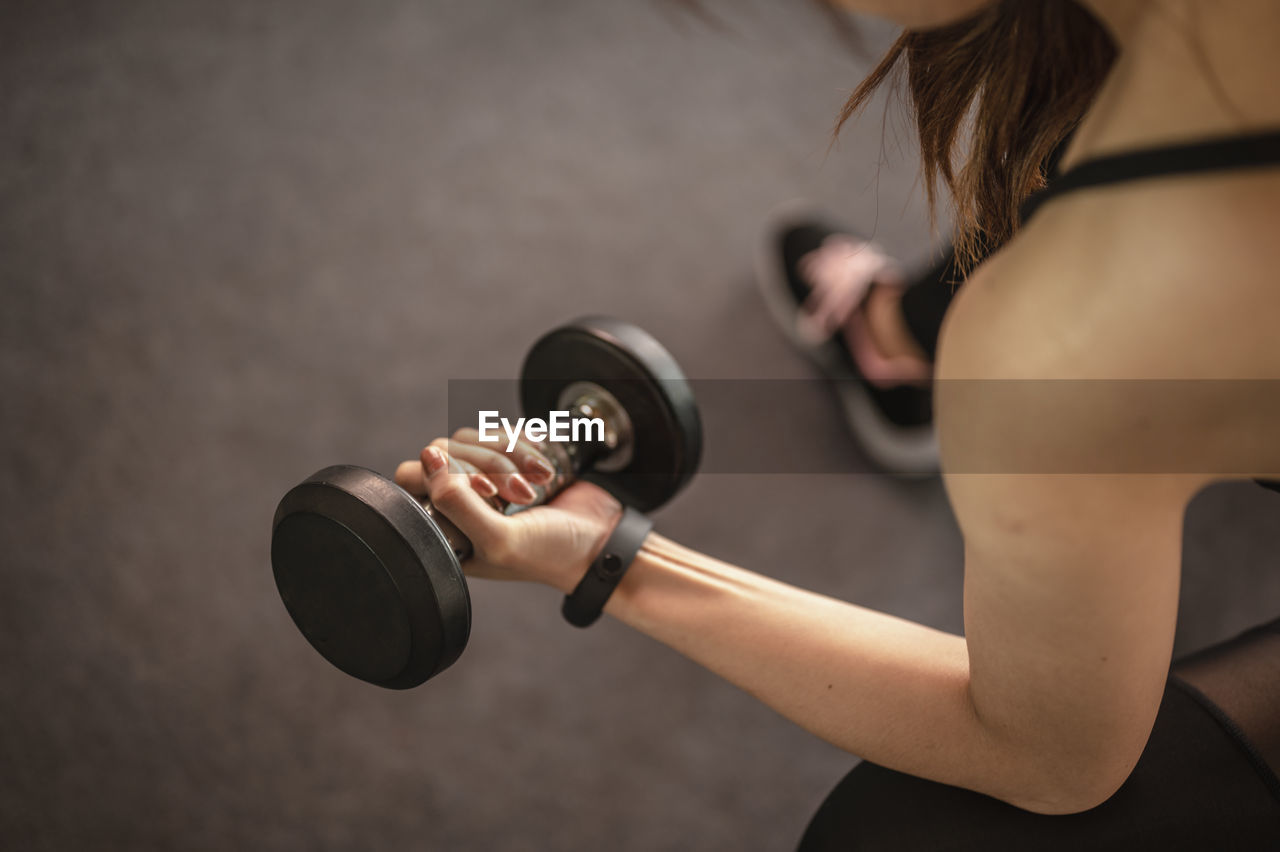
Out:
{"x": 241, "y": 241}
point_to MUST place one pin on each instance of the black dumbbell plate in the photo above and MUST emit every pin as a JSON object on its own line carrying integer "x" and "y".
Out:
{"x": 635, "y": 368}
{"x": 368, "y": 577}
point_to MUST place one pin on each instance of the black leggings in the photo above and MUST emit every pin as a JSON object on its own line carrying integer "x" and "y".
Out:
{"x": 1203, "y": 781}
{"x": 926, "y": 299}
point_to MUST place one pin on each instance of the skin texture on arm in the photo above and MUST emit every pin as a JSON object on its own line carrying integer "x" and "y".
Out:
{"x": 1000, "y": 718}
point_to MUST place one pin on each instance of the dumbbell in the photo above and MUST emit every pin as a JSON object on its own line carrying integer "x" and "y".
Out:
{"x": 372, "y": 576}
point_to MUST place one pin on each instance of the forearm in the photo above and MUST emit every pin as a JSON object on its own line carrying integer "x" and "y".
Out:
{"x": 883, "y": 688}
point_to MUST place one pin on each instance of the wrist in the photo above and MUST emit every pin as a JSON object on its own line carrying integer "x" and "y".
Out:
{"x": 563, "y": 575}
{"x": 584, "y": 605}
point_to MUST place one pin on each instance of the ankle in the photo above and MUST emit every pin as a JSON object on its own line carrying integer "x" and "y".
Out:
{"x": 888, "y": 328}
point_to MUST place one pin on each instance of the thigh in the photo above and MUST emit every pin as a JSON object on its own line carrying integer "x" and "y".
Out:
{"x": 1242, "y": 678}
{"x": 1194, "y": 788}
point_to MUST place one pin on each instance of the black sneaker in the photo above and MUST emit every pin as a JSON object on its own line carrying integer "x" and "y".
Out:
{"x": 894, "y": 425}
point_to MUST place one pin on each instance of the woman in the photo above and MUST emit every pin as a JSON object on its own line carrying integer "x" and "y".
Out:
{"x": 1071, "y": 508}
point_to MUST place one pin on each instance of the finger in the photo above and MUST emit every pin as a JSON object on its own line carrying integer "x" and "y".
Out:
{"x": 498, "y": 467}
{"x": 480, "y": 482}
{"x": 454, "y": 496}
{"x": 412, "y": 478}
{"x": 526, "y": 455}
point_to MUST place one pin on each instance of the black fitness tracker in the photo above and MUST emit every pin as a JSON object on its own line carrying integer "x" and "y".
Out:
{"x": 583, "y": 606}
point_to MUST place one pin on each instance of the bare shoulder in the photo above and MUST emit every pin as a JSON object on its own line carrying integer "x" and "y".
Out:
{"x": 1126, "y": 330}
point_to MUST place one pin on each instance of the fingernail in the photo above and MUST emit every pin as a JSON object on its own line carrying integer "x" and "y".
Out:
{"x": 542, "y": 471}
{"x": 522, "y": 488}
{"x": 483, "y": 485}
{"x": 434, "y": 460}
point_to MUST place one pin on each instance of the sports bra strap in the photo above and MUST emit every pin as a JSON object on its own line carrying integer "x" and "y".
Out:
{"x": 1209, "y": 155}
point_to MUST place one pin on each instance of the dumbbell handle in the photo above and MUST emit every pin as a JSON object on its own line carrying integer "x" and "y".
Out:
{"x": 569, "y": 461}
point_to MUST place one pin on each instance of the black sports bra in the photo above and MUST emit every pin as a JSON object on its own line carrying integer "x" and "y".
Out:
{"x": 1255, "y": 150}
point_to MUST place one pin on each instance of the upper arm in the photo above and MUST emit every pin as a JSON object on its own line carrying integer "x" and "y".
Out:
{"x": 1072, "y": 556}
{"x": 1071, "y": 591}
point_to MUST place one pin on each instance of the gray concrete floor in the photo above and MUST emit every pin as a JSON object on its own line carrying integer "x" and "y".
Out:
{"x": 241, "y": 241}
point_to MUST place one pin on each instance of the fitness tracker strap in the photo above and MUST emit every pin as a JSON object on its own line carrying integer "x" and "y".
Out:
{"x": 583, "y": 606}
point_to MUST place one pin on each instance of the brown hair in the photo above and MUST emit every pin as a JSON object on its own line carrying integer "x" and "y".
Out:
{"x": 1021, "y": 73}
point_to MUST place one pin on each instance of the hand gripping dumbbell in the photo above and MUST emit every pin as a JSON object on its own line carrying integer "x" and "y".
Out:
{"x": 373, "y": 577}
